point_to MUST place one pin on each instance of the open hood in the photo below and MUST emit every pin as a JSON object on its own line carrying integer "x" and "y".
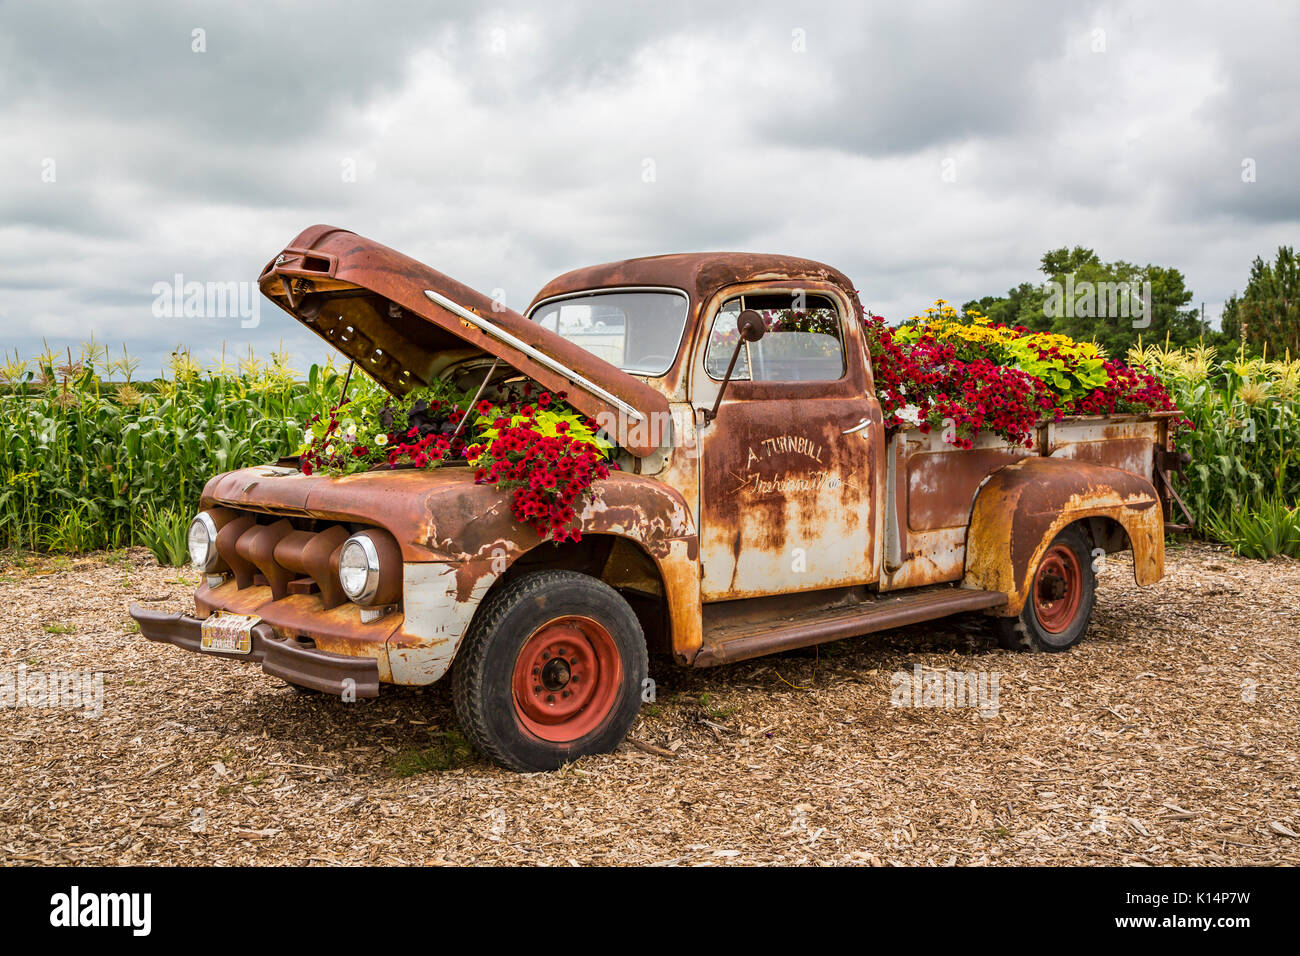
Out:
{"x": 405, "y": 323}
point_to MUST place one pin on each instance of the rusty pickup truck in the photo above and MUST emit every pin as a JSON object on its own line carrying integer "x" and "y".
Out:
{"x": 759, "y": 504}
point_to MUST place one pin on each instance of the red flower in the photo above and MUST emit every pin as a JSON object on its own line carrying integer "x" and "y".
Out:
{"x": 547, "y": 477}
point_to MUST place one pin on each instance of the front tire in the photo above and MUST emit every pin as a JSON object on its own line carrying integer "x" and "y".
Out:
{"x": 1062, "y": 594}
{"x": 550, "y": 670}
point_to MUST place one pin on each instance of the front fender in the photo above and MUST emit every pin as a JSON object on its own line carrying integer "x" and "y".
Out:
{"x": 441, "y": 597}
{"x": 1023, "y": 506}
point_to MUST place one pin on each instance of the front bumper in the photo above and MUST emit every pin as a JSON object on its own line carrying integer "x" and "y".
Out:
{"x": 285, "y": 657}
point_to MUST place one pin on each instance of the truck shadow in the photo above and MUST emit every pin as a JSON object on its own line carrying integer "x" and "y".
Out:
{"x": 410, "y": 730}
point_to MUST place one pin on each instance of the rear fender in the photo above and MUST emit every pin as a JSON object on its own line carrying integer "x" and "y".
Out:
{"x": 1023, "y": 506}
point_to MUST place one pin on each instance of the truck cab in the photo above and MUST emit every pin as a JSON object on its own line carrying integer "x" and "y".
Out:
{"x": 758, "y": 505}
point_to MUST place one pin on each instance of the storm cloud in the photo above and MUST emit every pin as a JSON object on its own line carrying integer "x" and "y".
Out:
{"x": 926, "y": 149}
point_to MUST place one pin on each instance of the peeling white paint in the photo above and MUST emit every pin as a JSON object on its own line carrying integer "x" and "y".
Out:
{"x": 434, "y": 614}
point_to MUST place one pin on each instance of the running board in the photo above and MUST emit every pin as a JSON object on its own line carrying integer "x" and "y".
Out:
{"x": 739, "y": 634}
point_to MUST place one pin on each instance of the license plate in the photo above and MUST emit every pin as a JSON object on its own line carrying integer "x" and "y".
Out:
{"x": 228, "y": 633}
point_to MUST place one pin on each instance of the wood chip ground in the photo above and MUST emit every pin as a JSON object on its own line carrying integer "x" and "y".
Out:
{"x": 1168, "y": 737}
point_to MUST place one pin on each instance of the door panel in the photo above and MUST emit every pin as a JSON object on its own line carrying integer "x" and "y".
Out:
{"x": 788, "y": 470}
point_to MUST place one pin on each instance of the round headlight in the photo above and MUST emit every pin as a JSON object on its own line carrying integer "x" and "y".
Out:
{"x": 359, "y": 569}
{"x": 202, "y": 540}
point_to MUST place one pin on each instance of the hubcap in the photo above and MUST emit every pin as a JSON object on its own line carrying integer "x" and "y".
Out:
{"x": 1058, "y": 589}
{"x": 566, "y": 679}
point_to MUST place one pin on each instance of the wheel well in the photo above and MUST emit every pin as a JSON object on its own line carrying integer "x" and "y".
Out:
{"x": 1106, "y": 533}
{"x": 621, "y": 563}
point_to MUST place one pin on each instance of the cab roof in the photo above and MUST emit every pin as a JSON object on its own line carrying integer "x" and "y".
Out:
{"x": 700, "y": 274}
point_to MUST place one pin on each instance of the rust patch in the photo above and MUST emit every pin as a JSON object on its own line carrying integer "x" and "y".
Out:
{"x": 1127, "y": 454}
{"x": 335, "y": 630}
{"x": 1025, "y": 505}
{"x": 941, "y": 485}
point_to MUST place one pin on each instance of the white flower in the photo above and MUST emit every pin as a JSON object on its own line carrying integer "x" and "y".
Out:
{"x": 381, "y": 440}
{"x": 910, "y": 413}
{"x": 329, "y": 449}
{"x": 308, "y": 437}
{"x": 350, "y": 430}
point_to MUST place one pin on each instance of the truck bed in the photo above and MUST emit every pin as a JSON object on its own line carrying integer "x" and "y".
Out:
{"x": 930, "y": 484}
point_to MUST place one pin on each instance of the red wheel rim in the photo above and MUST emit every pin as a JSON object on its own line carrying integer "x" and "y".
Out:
{"x": 1058, "y": 589}
{"x": 566, "y": 679}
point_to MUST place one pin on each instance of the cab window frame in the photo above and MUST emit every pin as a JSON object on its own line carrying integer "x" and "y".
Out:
{"x": 831, "y": 301}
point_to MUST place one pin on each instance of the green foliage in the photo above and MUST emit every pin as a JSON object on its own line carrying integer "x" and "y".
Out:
{"x": 1006, "y": 310}
{"x": 1244, "y": 441}
{"x": 354, "y": 437}
{"x": 1269, "y": 310}
{"x": 87, "y": 463}
{"x": 163, "y": 531}
{"x": 1070, "y": 376}
{"x": 545, "y": 422}
{"x": 450, "y": 752}
{"x": 71, "y": 531}
{"x": 1268, "y": 529}
{"x": 1096, "y": 318}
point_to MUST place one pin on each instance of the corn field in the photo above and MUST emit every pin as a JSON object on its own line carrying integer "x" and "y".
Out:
{"x": 1243, "y": 484}
{"x": 91, "y": 458}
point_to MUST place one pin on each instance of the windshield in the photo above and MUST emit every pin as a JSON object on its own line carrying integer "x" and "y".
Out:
{"x": 637, "y": 331}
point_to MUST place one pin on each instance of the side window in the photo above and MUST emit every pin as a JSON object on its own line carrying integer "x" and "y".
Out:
{"x": 800, "y": 345}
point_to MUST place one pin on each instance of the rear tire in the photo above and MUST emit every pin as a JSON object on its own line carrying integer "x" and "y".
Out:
{"x": 1062, "y": 594}
{"x": 550, "y": 670}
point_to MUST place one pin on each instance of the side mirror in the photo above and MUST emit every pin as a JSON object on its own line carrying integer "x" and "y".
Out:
{"x": 752, "y": 328}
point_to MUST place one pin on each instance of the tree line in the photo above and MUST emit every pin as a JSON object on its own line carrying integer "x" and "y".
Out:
{"x": 1116, "y": 303}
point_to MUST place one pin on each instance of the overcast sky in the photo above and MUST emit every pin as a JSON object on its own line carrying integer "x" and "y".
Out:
{"x": 926, "y": 149}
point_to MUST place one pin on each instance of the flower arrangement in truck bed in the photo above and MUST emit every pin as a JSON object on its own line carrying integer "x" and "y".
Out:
{"x": 523, "y": 440}
{"x": 963, "y": 375}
